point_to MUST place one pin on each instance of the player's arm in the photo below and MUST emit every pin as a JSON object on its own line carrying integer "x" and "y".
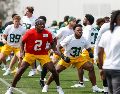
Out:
{"x": 59, "y": 34}
{"x": 5, "y": 33}
{"x": 22, "y": 49}
{"x": 4, "y": 36}
{"x": 22, "y": 45}
{"x": 65, "y": 58}
{"x": 88, "y": 48}
{"x": 100, "y": 61}
{"x": 53, "y": 45}
{"x": 59, "y": 49}
{"x": 100, "y": 57}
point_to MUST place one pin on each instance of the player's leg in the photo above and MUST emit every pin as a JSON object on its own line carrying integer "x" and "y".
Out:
{"x": 59, "y": 69}
{"x": 5, "y": 51}
{"x": 80, "y": 76}
{"x": 90, "y": 68}
{"x": 32, "y": 72}
{"x": 54, "y": 76}
{"x": 17, "y": 76}
{"x": 54, "y": 58}
{"x": 43, "y": 75}
{"x": 105, "y": 86}
{"x": 3, "y": 59}
{"x": 19, "y": 73}
{"x": 16, "y": 52}
{"x": 0, "y": 60}
{"x": 80, "y": 62}
{"x": 62, "y": 65}
{"x": 27, "y": 61}
{"x": 12, "y": 62}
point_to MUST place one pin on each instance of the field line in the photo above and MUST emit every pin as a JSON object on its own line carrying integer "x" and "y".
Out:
{"x": 7, "y": 84}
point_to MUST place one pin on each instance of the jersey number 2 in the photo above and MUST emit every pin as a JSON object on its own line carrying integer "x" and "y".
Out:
{"x": 38, "y": 44}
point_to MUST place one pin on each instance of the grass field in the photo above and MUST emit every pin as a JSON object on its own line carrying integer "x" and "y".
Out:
{"x": 30, "y": 85}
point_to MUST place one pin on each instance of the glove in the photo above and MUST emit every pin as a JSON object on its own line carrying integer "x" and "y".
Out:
{"x": 91, "y": 55}
{"x": 66, "y": 59}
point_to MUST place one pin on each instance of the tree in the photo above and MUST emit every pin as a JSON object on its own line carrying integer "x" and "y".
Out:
{"x": 7, "y": 7}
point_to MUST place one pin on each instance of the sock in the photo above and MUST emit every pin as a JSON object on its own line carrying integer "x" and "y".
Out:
{"x": 94, "y": 86}
{"x": 58, "y": 86}
{"x": 43, "y": 73}
{"x": 81, "y": 83}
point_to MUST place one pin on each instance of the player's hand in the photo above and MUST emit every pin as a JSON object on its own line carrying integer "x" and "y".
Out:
{"x": 57, "y": 53}
{"x": 65, "y": 58}
{"x": 21, "y": 55}
{"x": 91, "y": 55}
{"x": 4, "y": 41}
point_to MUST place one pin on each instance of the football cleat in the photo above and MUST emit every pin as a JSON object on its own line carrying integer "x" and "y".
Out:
{"x": 45, "y": 88}
{"x": 32, "y": 72}
{"x": 9, "y": 91}
{"x": 97, "y": 89}
{"x": 59, "y": 90}
{"x": 7, "y": 72}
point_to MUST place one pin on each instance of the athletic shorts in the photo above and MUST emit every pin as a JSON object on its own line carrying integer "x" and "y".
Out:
{"x": 30, "y": 58}
{"x": 85, "y": 54}
{"x": 6, "y": 50}
{"x": 1, "y": 48}
{"x": 57, "y": 56}
{"x": 77, "y": 62}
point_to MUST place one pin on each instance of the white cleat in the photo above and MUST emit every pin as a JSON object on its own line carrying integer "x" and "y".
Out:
{"x": 45, "y": 88}
{"x": 106, "y": 89}
{"x": 9, "y": 91}
{"x": 5, "y": 68}
{"x": 85, "y": 79}
{"x": 45, "y": 79}
{"x": 39, "y": 68}
{"x": 97, "y": 89}
{"x": 8, "y": 58}
{"x": 78, "y": 85}
{"x": 59, "y": 90}
{"x": 7, "y": 72}
{"x": 32, "y": 73}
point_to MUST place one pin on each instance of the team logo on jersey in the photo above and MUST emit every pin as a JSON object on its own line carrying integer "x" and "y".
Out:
{"x": 45, "y": 35}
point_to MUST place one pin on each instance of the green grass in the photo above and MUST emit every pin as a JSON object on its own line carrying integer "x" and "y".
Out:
{"x": 30, "y": 85}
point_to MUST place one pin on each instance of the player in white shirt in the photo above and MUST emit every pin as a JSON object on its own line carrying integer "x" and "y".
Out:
{"x": 28, "y": 20}
{"x": 73, "y": 46}
{"x": 63, "y": 33}
{"x": 90, "y": 34}
{"x": 105, "y": 27}
{"x": 13, "y": 33}
{"x": 110, "y": 45}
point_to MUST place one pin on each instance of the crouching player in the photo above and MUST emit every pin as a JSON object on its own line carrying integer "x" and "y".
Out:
{"x": 34, "y": 42}
{"x": 73, "y": 46}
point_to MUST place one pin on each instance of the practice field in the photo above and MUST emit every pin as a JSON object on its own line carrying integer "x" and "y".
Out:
{"x": 30, "y": 85}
